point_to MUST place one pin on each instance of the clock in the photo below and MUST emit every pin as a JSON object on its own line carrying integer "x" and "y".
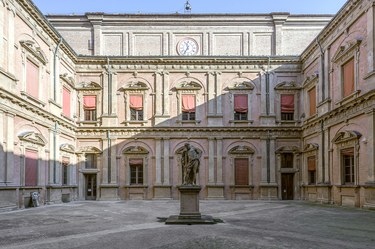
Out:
{"x": 187, "y": 46}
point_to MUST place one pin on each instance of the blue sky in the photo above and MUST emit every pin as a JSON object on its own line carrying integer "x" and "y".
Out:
{"x": 198, "y": 6}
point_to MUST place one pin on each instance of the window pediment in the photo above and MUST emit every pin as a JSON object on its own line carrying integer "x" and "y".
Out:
{"x": 188, "y": 85}
{"x": 311, "y": 147}
{"x": 67, "y": 79}
{"x": 288, "y": 149}
{"x": 345, "y": 136}
{"x": 90, "y": 150}
{"x": 311, "y": 79}
{"x": 241, "y": 85}
{"x": 89, "y": 86}
{"x": 134, "y": 86}
{"x": 67, "y": 148}
{"x": 33, "y": 137}
{"x": 34, "y": 50}
{"x": 135, "y": 150}
{"x": 241, "y": 149}
{"x": 346, "y": 50}
{"x": 287, "y": 85}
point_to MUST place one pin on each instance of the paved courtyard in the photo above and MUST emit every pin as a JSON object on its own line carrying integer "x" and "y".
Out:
{"x": 133, "y": 224}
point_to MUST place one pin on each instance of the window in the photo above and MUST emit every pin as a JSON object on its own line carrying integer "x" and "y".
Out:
{"x": 240, "y": 106}
{"x": 348, "y": 77}
{"x": 311, "y": 165}
{"x": 241, "y": 171}
{"x": 188, "y": 107}
{"x": 89, "y": 108}
{"x": 136, "y": 171}
{"x": 31, "y": 168}
{"x": 136, "y": 107}
{"x": 65, "y": 170}
{"x": 32, "y": 79}
{"x": 287, "y": 107}
{"x": 90, "y": 161}
{"x": 66, "y": 102}
{"x": 348, "y": 165}
{"x": 312, "y": 101}
{"x": 287, "y": 160}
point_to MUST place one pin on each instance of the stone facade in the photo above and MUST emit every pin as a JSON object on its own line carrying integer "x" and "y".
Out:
{"x": 101, "y": 113}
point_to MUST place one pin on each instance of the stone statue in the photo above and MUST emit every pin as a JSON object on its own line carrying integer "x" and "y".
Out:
{"x": 190, "y": 164}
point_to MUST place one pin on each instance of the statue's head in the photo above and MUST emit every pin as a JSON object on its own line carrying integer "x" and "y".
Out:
{"x": 187, "y": 146}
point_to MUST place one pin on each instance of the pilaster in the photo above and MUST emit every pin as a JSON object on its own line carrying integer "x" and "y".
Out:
{"x": 11, "y": 40}
{"x": 166, "y": 161}
{"x": 158, "y": 161}
{"x": 370, "y": 147}
{"x": 278, "y": 20}
{"x": 371, "y": 39}
{"x": 2, "y": 25}
{"x": 211, "y": 161}
{"x": 96, "y": 21}
{"x": 211, "y": 93}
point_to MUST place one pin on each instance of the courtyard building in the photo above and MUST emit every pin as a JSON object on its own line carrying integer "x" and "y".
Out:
{"x": 99, "y": 106}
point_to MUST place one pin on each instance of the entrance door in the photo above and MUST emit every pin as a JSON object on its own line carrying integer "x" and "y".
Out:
{"x": 287, "y": 186}
{"x": 90, "y": 187}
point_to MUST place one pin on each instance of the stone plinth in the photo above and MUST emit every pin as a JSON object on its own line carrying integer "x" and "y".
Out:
{"x": 189, "y": 208}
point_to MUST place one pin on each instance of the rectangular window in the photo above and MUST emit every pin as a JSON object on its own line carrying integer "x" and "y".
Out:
{"x": 287, "y": 160}
{"x": 136, "y": 107}
{"x": 347, "y": 157}
{"x": 287, "y": 107}
{"x": 312, "y": 101}
{"x": 240, "y": 106}
{"x": 66, "y": 102}
{"x": 89, "y": 108}
{"x": 348, "y": 77}
{"x": 188, "y": 107}
{"x": 65, "y": 170}
{"x": 32, "y": 79}
{"x": 31, "y": 168}
{"x": 311, "y": 165}
{"x": 241, "y": 173}
{"x": 90, "y": 162}
{"x": 136, "y": 171}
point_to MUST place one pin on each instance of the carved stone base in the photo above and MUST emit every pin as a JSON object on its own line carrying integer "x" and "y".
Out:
{"x": 189, "y": 208}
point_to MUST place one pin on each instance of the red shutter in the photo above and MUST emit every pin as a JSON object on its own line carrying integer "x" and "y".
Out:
{"x": 240, "y": 103}
{"x": 311, "y": 163}
{"x": 287, "y": 103}
{"x": 188, "y": 103}
{"x": 32, "y": 79}
{"x": 89, "y": 102}
{"x": 348, "y": 77}
{"x": 136, "y": 102}
{"x": 66, "y": 102}
{"x": 241, "y": 171}
{"x": 31, "y": 168}
{"x": 312, "y": 99}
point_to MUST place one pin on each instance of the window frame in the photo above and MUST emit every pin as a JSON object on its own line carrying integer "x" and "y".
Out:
{"x": 287, "y": 88}
{"x": 138, "y": 168}
{"x": 92, "y": 114}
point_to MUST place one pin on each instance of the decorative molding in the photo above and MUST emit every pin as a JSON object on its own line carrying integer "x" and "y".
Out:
{"x": 346, "y": 51}
{"x": 188, "y": 85}
{"x": 93, "y": 86}
{"x": 311, "y": 79}
{"x": 288, "y": 149}
{"x": 89, "y": 150}
{"x": 241, "y": 85}
{"x": 68, "y": 79}
{"x": 67, "y": 148}
{"x": 34, "y": 50}
{"x": 134, "y": 86}
{"x": 135, "y": 150}
{"x": 241, "y": 149}
{"x": 346, "y": 136}
{"x": 33, "y": 137}
{"x": 311, "y": 147}
{"x": 287, "y": 85}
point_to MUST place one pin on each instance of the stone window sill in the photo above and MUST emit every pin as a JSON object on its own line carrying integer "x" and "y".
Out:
{"x": 134, "y": 122}
{"x": 32, "y": 98}
{"x": 348, "y": 98}
{"x": 188, "y": 121}
{"x": 241, "y": 121}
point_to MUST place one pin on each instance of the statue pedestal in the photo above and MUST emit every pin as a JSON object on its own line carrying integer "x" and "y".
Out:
{"x": 189, "y": 208}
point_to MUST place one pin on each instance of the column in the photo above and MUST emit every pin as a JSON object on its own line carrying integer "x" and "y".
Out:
{"x": 370, "y": 146}
{"x": 326, "y": 73}
{"x": 113, "y": 162}
{"x": 219, "y": 160}
{"x": 264, "y": 171}
{"x": 271, "y": 98}
{"x": 272, "y": 161}
{"x": 166, "y": 106}
{"x": 105, "y": 157}
{"x": 321, "y": 88}
{"x": 2, "y": 147}
{"x": 11, "y": 39}
{"x": 211, "y": 92}
{"x": 81, "y": 178}
{"x": 158, "y": 161}
{"x": 263, "y": 106}
{"x": 219, "y": 93}
{"x": 105, "y": 77}
{"x": 158, "y": 94}
{"x": 2, "y": 25}
{"x": 166, "y": 161}
{"x": 327, "y": 142}
{"x": 113, "y": 102}
{"x": 211, "y": 162}
{"x": 371, "y": 39}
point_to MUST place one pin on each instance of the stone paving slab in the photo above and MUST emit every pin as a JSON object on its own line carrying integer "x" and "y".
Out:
{"x": 134, "y": 224}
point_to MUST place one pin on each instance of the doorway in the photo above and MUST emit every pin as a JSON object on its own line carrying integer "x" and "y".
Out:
{"x": 287, "y": 186}
{"x": 90, "y": 189}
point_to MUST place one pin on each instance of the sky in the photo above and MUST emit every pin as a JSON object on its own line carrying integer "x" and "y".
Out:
{"x": 198, "y": 6}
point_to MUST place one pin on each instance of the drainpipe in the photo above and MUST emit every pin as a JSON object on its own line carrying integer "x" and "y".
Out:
{"x": 54, "y": 69}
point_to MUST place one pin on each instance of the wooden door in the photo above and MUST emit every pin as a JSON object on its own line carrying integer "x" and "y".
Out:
{"x": 287, "y": 186}
{"x": 90, "y": 187}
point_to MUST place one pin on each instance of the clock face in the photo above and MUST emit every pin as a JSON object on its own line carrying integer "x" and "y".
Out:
{"x": 187, "y": 47}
